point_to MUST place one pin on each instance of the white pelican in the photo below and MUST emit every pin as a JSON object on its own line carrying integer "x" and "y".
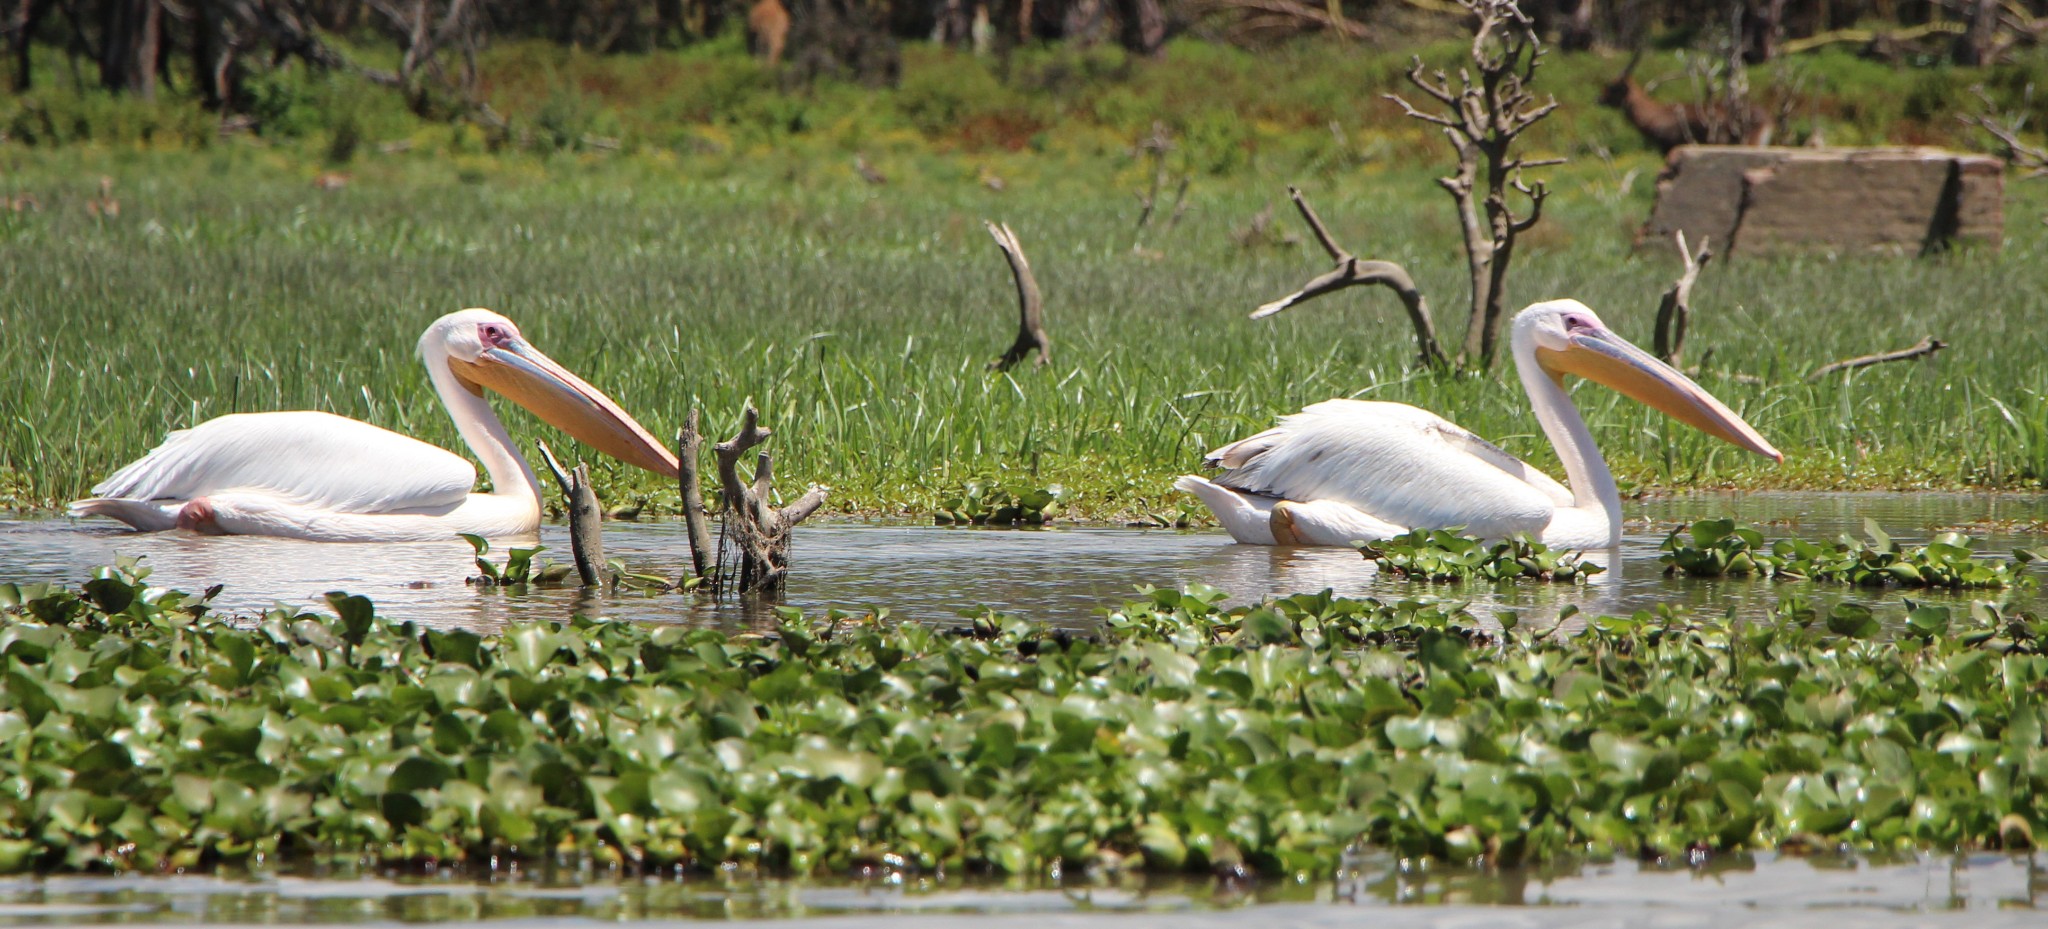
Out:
{"x": 1350, "y": 470}
{"x": 311, "y": 475}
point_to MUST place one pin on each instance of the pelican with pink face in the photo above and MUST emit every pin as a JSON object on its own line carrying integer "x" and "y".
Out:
{"x": 317, "y": 476}
{"x": 1348, "y": 470}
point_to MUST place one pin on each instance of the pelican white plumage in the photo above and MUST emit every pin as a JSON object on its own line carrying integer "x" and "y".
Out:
{"x": 1349, "y": 470}
{"x": 317, "y": 476}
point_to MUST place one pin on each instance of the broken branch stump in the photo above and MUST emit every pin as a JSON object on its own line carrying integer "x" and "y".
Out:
{"x": 1925, "y": 348}
{"x": 586, "y": 533}
{"x": 689, "y": 449}
{"x": 1351, "y": 271}
{"x": 1674, "y": 312}
{"x": 1030, "y": 306}
{"x": 757, "y": 529}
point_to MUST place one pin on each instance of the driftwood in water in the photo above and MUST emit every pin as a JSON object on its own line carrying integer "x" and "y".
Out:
{"x": 758, "y": 531}
{"x": 586, "y": 535}
{"x": 1925, "y": 348}
{"x": 689, "y": 450}
{"x": 1030, "y": 306}
{"x": 1674, "y": 312}
{"x": 1350, "y": 271}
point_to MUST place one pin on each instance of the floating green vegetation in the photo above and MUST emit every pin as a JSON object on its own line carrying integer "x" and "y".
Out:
{"x": 519, "y": 568}
{"x": 1446, "y": 555}
{"x": 1717, "y": 547}
{"x": 141, "y": 732}
{"x": 1000, "y": 502}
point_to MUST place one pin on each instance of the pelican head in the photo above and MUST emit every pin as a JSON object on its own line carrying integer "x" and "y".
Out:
{"x": 483, "y": 349}
{"x": 1564, "y": 337}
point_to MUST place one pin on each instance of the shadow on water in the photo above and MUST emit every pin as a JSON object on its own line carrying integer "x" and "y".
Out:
{"x": 1064, "y": 576}
{"x": 1378, "y": 889}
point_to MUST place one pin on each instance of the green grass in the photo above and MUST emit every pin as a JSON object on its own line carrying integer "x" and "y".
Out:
{"x": 728, "y": 251}
{"x": 860, "y": 319}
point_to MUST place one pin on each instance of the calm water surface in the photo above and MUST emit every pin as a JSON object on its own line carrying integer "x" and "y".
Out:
{"x": 1061, "y": 575}
{"x": 1733, "y": 891}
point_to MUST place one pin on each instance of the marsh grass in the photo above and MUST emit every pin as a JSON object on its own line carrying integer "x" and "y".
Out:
{"x": 860, "y": 319}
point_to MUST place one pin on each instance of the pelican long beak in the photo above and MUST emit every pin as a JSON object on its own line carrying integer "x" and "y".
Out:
{"x": 1598, "y": 355}
{"x": 533, "y": 380}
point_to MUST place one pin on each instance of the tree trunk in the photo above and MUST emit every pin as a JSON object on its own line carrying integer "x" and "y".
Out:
{"x": 668, "y": 23}
{"x": 1144, "y": 26}
{"x": 211, "y": 55}
{"x": 847, "y": 39}
{"x": 1974, "y": 47}
{"x": 1082, "y": 24}
{"x": 131, "y": 38}
{"x": 951, "y": 23}
{"x": 32, "y": 14}
{"x": 1577, "y": 32}
{"x": 1763, "y": 27}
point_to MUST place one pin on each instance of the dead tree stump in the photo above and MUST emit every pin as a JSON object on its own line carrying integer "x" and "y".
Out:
{"x": 1030, "y": 306}
{"x": 689, "y": 449}
{"x": 1351, "y": 271}
{"x": 586, "y": 533}
{"x": 1674, "y": 312}
{"x": 758, "y": 531}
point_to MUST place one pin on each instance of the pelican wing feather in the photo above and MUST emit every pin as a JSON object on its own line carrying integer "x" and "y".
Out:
{"x": 312, "y": 458}
{"x": 1395, "y": 463}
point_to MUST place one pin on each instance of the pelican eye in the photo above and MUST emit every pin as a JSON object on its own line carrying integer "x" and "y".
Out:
{"x": 494, "y": 335}
{"x": 1576, "y": 323}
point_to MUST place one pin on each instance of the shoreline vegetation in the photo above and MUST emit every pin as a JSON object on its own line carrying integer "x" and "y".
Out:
{"x": 145, "y": 733}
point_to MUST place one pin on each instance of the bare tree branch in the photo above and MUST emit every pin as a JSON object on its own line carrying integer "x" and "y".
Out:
{"x": 1030, "y": 306}
{"x": 1349, "y": 272}
{"x": 1923, "y": 349}
{"x": 2031, "y": 158}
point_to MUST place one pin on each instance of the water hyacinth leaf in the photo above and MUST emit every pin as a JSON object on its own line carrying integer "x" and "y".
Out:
{"x": 1927, "y": 620}
{"x": 1853, "y": 620}
{"x": 455, "y": 646}
{"x": 418, "y": 773}
{"x": 111, "y": 595}
{"x": 240, "y": 652}
{"x": 102, "y": 758}
{"x": 356, "y": 614}
{"x": 1408, "y": 732}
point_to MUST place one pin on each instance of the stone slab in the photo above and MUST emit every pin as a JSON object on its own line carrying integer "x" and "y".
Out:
{"x": 1895, "y": 201}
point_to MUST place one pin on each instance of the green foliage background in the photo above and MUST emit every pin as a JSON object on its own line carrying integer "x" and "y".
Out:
{"x": 679, "y": 228}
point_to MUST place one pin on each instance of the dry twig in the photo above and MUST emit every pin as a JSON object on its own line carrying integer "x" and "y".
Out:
{"x": 1351, "y": 271}
{"x": 1925, "y": 348}
{"x": 2030, "y": 158}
